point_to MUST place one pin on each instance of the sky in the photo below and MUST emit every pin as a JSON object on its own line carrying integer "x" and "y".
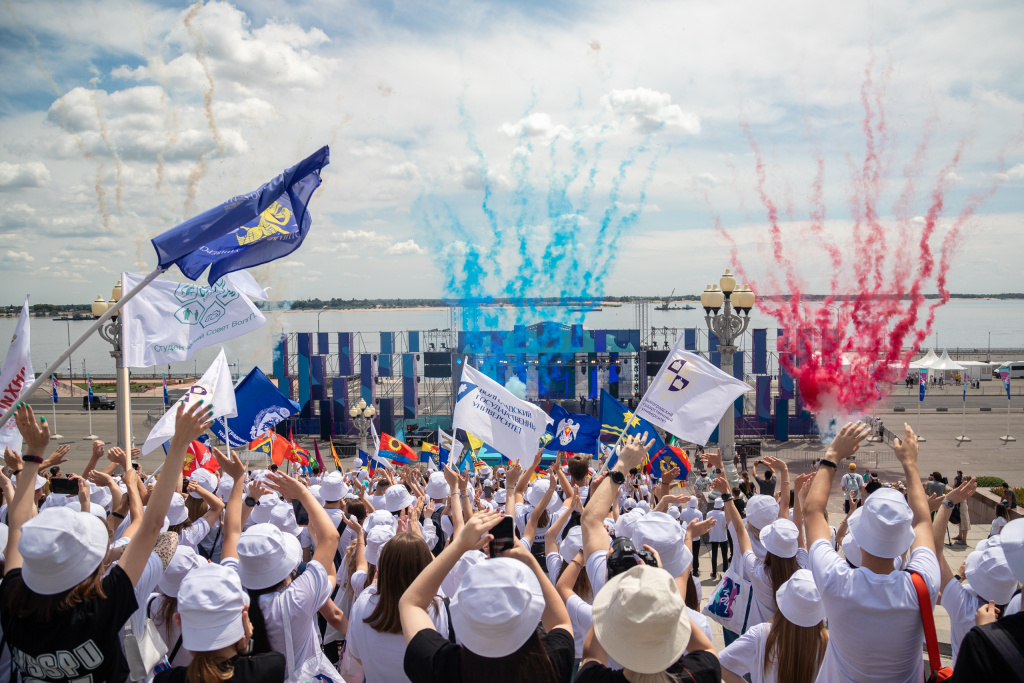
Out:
{"x": 520, "y": 148}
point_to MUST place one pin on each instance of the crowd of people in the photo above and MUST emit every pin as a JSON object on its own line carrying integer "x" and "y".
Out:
{"x": 581, "y": 572}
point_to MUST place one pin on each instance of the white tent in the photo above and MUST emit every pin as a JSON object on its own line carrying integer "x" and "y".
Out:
{"x": 927, "y": 361}
{"x": 945, "y": 363}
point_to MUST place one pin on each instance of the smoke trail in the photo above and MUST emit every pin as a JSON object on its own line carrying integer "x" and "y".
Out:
{"x": 201, "y": 167}
{"x": 105, "y": 136}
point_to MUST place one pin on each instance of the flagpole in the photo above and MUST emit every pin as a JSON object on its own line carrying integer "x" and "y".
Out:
{"x": 88, "y": 395}
{"x": 110, "y": 312}
{"x": 55, "y": 435}
{"x": 604, "y": 464}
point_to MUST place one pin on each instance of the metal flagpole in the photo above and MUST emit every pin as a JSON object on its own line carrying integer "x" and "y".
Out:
{"x": 111, "y": 312}
{"x": 963, "y": 433}
{"x": 1006, "y": 383}
{"x": 55, "y": 435}
{"x": 88, "y": 402}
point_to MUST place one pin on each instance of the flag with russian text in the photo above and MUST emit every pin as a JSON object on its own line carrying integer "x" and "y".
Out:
{"x": 15, "y": 377}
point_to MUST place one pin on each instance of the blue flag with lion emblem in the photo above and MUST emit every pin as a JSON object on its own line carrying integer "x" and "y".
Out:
{"x": 247, "y": 230}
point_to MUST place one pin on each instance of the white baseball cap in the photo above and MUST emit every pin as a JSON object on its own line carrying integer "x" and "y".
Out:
{"x": 780, "y": 538}
{"x": 210, "y": 602}
{"x": 397, "y": 497}
{"x": 497, "y": 607}
{"x": 205, "y": 479}
{"x": 61, "y": 548}
{"x": 375, "y": 541}
{"x": 664, "y": 534}
{"x": 1012, "y": 544}
{"x": 799, "y": 599}
{"x": 377, "y": 518}
{"x": 437, "y": 488}
{"x": 283, "y": 517}
{"x": 185, "y": 560}
{"x": 990, "y": 576}
{"x": 640, "y": 619}
{"x": 333, "y": 487}
{"x": 571, "y": 545}
{"x": 266, "y": 556}
{"x": 885, "y": 528}
{"x": 451, "y": 582}
{"x": 176, "y": 510}
{"x": 762, "y": 511}
{"x": 536, "y": 492}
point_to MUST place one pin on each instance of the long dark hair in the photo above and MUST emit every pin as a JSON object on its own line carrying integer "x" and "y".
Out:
{"x": 260, "y": 637}
{"x": 401, "y": 561}
{"x": 26, "y": 604}
{"x": 529, "y": 663}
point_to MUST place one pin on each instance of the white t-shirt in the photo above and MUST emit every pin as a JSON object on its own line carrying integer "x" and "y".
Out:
{"x": 523, "y": 512}
{"x": 719, "y": 533}
{"x": 170, "y": 631}
{"x": 581, "y": 614}
{"x": 756, "y": 572}
{"x": 358, "y": 581}
{"x": 1013, "y": 607}
{"x": 875, "y": 631}
{"x": 304, "y": 597}
{"x": 383, "y": 654}
{"x": 597, "y": 570}
{"x": 746, "y": 656}
{"x": 691, "y": 515}
{"x": 553, "y": 561}
{"x": 377, "y": 502}
{"x": 997, "y": 526}
{"x": 195, "y": 533}
{"x": 961, "y": 603}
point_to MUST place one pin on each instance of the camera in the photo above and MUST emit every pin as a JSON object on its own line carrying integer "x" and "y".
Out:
{"x": 625, "y": 556}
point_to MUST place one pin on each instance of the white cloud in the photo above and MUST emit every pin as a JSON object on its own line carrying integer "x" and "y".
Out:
{"x": 536, "y": 125}
{"x": 404, "y": 171}
{"x": 361, "y": 237}
{"x": 407, "y": 247}
{"x": 1016, "y": 173}
{"x": 20, "y": 256}
{"x": 31, "y": 174}
{"x": 646, "y": 111}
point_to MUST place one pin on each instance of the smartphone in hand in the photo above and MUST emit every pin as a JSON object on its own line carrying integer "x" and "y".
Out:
{"x": 67, "y": 487}
{"x": 504, "y": 536}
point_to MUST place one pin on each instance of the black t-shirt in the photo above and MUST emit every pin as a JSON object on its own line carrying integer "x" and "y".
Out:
{"x": 981, "y": 660}
{"x": 82, "y": 644}
{"x": 696, "y": 667}
{"x": 265, "y": 668}
{"x": 430, "y": 657}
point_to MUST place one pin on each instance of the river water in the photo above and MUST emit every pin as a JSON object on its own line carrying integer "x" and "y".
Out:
{"x": 960, "y": 324}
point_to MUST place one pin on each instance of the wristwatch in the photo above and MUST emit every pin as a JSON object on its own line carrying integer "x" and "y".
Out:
{"x": 32, "y": 458}
{"x": 618, "y": 477}
{"x": 250, "y": 501}
{"x": 948, "y": 503}
{"x": 827, "y": 463}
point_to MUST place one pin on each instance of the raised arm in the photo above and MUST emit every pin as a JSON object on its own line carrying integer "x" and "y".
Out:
{"x": 555, "y": 530}
{"x": 325, "y": 534}
{"x": 567, "y": 579}
{"x": 188, "y": 425}
{"x": 802, "y": 484}
{"x": 211, "y": 499}
{"x": 954, "y": 497}
{"x": 511, "y": 483}
{"x": 451, "y": 477}
{"x": 843, "y": 446}
{"x": 782, "y": 470}
{"x": 530, "y": 532}
{"x": 606, "y": 495}
{"x": 732, "y": 515}
{"x": 525, "y": 480}
{"x": 98, "y": 449}
{"x": 232, "y": 529}
{"x": 906, "y": 453}
{"x": 21, "y": 507}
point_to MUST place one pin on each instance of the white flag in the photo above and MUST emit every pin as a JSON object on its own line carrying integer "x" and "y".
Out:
{"x": 492, "y": 414}
{"x": 16, "y": 376}
{"x": 214, "y": 387}
{"x": 167, "y": 321}
{"x": 689, "y": 395}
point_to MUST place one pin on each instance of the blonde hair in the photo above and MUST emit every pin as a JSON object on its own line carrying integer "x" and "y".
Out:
{"x": 660, "y": 677}
{"x": 208, "y": 667}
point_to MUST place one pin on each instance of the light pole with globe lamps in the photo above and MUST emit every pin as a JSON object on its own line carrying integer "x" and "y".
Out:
{"x": 111, "y": 333}
{"x": 729, "y": 327}
{"x": 362, "y": 416}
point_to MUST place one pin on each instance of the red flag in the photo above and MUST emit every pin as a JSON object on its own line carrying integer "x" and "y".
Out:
{"x": 319, "y": 462}
{"x": 199, "y": 456}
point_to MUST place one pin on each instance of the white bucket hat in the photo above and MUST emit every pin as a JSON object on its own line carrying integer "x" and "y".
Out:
{"x": 799, "y": 599}
{"x": 210, "y": 602}
{"x": 640, "y": 619}
{"x": 673, "y": 512}
{"x": 451, "y": 582}
{"x": 41, "y": 482}
{"x": 1012, "y": 543}
{"x": 497, "y": 607}
{"x": 990, "y": 576}
{"x": 762, "y": 511}
{"x": 625, "y": 523}
{"x": 333, "y": 487}
{"x": 692, "y": 503}
{"x": 315, "y": 490}
{"x": 224, "y": 487}
{"x": 536, "y": 492}
{"x": 283, "y": 517}
{"x": 719, "y": 504}
{"x": 628, "y": 505}
{"x": 266, "y": 556}
{"x": 205, "y": 479}
{"x": 375, "y": 542}
{"x": 357, "y": 463}
{"x": 437, "y": 488}
{"x": 780, "y": 538}
{"x": 664, "y": 534}
{"x": 500, "y": 496}
{"x": 571, "y": 545}
{"x": 60, "y": 549}
{"x": 397, "y": 497}
{"x": 94, "y": 508}
{"x": 264, "y": 509}
{"x": 644, "y": 505}
{"x": 885, "y": 528}
{"x": 176, "y": 510}
{"x": 377, "y": 518}
{"x": 100, "y": 495}
{"x": 185, "y": 560}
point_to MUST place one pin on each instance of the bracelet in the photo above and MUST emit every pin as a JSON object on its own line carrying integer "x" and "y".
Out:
{"x": 117, "y": 514}
{"x": 32, "y": 458}
{"x": 726, "y": 497}
{"x": 958, "y": 577}
{"x": 15, "y": 472}
{"x": 463, "y": 495}
{"x": 827, "y": 463}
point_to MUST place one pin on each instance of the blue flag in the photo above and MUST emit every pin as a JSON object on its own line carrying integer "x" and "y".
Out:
{"x": 573, "y": 433}
{"x": 247, "y": 230}
{"x": 53, "y": 387}
{"x": 617, "y": 419}
{"x": 260, "y": 406}
{"x": 923, "y": 384}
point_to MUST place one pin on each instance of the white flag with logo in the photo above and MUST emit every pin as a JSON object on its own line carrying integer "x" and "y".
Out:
{"x": 167, "y": 321}
{"x": 214, "y": 387}
{"x": 689, "y": 395}
{"x": 15, "y": 377}
{"x": 490, "y": 412}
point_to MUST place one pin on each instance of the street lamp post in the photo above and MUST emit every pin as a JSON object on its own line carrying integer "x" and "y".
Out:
{"x": 319, "y": 313}
{"x": 111, "y": 333}
{"x": 729, "y": 327}
{"x": 362, "y": 416}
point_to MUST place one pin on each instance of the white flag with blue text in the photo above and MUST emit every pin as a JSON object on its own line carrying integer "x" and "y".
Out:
{"x": 689, "y": 395}
{"x": 492, "y": 414}
{"x": 15, "y": 377}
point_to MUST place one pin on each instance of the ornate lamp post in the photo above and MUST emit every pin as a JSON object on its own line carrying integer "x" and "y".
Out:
{"x": 362, "y": 416}
{"x": 718, "y": 302}
{"x": 111, "y": 333}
